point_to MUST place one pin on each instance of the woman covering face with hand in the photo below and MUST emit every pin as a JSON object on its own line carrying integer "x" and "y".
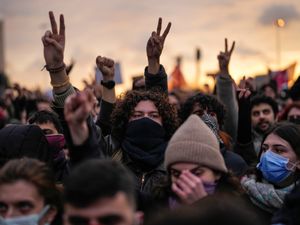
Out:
{"x": 195, "y": 166}
{"x": 28, "y": 194}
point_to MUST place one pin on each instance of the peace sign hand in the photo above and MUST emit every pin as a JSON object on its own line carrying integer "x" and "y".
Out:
{"x": 54, "y": 42}
{"x": 155, "y": 43}
{"x": 224, "y": 58}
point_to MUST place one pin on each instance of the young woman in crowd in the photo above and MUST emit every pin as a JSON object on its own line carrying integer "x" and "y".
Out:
{"x": 277, "y": 172}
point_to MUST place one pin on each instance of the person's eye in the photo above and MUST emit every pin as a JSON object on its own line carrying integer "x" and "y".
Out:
{"x": 255, "y": 113}
{"x": 198, "y": 172}
{"x": 3, "y": 207}
{"x": 25, "y": 207}
{"x": 175, "y": 173}
{"x": 264, "y": 148}
{"x": 137, "y": 115}
{"x": 266, "y": 111}
{"x": 279, "y": 151}
{"x": 154, "y": 115}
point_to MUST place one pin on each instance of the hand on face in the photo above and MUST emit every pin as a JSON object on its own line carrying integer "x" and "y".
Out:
{"x": 188, "y": 187}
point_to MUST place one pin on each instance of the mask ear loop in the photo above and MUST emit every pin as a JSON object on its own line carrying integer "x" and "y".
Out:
{"x": 292, "y": 166}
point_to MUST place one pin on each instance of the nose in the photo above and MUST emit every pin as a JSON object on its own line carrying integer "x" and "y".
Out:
{"x": 9, "y": 213}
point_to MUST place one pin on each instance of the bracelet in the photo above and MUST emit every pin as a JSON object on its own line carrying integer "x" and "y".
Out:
{"x": 55, "y": 69}
{"x": 67, "y": 81}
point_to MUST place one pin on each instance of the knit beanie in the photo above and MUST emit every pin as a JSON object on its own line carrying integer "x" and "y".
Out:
{"x": 194, "y": 142}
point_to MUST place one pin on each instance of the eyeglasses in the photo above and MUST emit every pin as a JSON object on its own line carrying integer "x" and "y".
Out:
{"x": 105, "y": 220}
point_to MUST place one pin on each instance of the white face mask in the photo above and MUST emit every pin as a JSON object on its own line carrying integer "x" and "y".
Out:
{"x": 25, "y": 220}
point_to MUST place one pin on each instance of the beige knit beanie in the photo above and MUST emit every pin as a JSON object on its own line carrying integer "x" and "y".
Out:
{"x": 194, "y": 142}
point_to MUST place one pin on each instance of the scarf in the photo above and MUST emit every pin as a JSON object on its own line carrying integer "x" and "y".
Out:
{"x": 264, "y": 195}
{"x": 145, "y": 143}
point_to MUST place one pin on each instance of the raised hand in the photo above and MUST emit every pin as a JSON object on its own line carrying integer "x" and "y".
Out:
{"x": 189, "y": 188}
{"x": 107, "y": 67}
{"x": 77, "y": 109}
{"x": 242, "y": 90}
{"x": 224, "y": 58}
{"x": 54, "y": 43}
{"x": 155, "y": 46}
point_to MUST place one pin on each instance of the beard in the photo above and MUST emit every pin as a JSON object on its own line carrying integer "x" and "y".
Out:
{"x": 263, "y": 126}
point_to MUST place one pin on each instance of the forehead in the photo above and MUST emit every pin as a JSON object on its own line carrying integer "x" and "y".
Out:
{"x": 118, "y": 204}
{"x": 49, "y": 125}
{"x": 261, "y": 107}
{"x": 145, "y": 106}
{"x": 184, "y": 166}
{"x": 273, "y": 139}
{"x": 294, "y": 111}
{"x": 19, "y": 191}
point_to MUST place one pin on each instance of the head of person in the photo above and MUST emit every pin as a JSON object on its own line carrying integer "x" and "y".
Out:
{"x": 100, "y": 192}
{"x": 263, "y": 113}
{"x": 142, "y": 112}
{"x": 194, "y": 149}
{"x": 28, "y": 194}
{"x": 18, "y": 141}
{"x": 49, "y": 122}
{"x": 280, "y": 155}
{"x": 138, "y": 83}
{"x": 174, "y": 100}
{"x": 291, "y": 113}
{"x": 212, "y": 210}
{"x": 269, "y": 90}
{"x": 201, "y": 104}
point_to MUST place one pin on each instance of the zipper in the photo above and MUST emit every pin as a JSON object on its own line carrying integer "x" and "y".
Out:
{"x": 143, "y": 180}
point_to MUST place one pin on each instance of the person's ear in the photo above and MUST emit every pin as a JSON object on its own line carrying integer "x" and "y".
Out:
{"x": 138, "y": 218}
{"x": 49, "y": 216}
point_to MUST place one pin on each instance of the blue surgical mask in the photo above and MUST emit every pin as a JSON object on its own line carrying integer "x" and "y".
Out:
{"x": 25, "y": 220}
{"x": 274, "y": 167}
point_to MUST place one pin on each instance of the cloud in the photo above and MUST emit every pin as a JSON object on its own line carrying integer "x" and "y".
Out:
{"x": 271, "y": 13}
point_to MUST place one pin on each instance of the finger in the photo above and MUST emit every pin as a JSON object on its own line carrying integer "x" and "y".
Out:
{"x": 178, "y": 191}
{"x": 189, "y": 182}
{"x": 159, "y": 26}
{"x": 54, "y": 43}
{"x": 192, "y": 177}
{"x": 165, "y": 34}
{"x": 181, "y": 183}
{"x": 248, "y": 93}
{"x": 232, "y": 47}
{"x": 62, "y": 25}
{"x": 53, "y": 22}
{"x": 226, "y": 45}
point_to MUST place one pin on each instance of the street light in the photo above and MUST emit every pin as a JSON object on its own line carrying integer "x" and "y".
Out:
{"x": 279, "y": 23}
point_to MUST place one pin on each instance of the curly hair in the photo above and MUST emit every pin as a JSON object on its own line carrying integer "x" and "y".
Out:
{"x": 208, "y": 102}
{"x": 125, "y": 107}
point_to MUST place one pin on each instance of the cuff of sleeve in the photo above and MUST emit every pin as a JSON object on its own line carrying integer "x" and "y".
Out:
{"x": 161, "y": 73}
{"x": 59, "y": 98}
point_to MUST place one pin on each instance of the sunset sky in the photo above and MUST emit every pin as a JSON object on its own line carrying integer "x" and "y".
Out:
{"x": 119, "y": 29}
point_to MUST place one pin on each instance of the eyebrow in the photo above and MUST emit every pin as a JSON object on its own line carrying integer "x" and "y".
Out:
{"x": 146, "y": 112}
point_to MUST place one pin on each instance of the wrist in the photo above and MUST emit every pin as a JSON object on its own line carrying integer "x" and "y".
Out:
{"x": 153, "y": 67}
{"x": 108, "y": 78}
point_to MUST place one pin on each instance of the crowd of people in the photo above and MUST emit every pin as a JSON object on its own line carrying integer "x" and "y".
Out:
{"x": 149, "y": 156}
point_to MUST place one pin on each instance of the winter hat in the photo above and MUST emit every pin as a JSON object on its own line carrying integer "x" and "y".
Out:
{"x": 194, "y": 142}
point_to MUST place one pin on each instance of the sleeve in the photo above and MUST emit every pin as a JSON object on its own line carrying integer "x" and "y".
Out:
{"x": 226, "y": 94}
{"x": 244, "y": 144}
{"x": 104, "y": 121}
{"x": 157, "y": 81}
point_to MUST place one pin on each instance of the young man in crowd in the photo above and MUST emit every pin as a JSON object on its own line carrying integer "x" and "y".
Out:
{"x": 263, "y": 116}
{"x": 108, "y": 199}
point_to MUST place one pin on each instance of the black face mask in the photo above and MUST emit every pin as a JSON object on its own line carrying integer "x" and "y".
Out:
{"x": 294, "y": 119}
{"x": 145, "y": 142}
